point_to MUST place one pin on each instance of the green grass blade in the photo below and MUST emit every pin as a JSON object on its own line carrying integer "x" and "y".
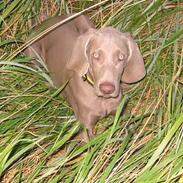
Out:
{"x": 164, "y": 143}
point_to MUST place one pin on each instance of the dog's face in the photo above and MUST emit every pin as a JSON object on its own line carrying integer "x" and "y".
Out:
{"x": 107, "y": 56}
{"x": 110, "y": 57}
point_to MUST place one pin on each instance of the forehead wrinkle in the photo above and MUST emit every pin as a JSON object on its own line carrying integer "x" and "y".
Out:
{"x": 109, "y": 43}
{"x": 110, "y": 46}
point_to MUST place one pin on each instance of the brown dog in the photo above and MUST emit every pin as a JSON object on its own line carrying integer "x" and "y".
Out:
{"x": 76, "y": 50}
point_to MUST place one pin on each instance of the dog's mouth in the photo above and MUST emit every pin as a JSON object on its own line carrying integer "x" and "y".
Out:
{"x": 109, "y": 96}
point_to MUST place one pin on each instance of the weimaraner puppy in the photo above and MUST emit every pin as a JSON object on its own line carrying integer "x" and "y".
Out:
{"x": 95, "y": 61}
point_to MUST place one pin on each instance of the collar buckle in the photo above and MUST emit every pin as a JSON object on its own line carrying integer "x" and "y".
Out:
{"x": 88, "y": 79}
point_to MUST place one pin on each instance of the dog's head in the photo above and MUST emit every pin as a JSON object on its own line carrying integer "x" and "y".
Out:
{"x": 109, "y": 57}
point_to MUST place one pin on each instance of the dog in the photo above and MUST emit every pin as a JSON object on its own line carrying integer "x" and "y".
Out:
{"x": 95, "y": 62}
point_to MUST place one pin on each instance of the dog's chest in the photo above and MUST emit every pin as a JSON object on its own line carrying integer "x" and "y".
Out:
{"x": 110, "y": 105}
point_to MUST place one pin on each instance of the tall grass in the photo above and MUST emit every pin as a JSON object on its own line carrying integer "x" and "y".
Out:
{"x": 38, "y": 129}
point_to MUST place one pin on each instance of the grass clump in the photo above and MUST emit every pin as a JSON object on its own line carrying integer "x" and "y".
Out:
{"x": 38, "y": 128}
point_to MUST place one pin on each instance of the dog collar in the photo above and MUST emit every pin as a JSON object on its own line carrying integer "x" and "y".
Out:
{"x": 87, "y": 78}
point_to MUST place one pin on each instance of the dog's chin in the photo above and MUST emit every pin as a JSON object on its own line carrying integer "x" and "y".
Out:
{"x": 108, "y": 96}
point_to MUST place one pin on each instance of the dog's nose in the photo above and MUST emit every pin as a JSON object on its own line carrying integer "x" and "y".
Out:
{"x": 106, "y": 88}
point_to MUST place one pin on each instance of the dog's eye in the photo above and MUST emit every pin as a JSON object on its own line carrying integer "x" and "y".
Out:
{"x": 96, "y": 55}
{"x": 121, "y": 57}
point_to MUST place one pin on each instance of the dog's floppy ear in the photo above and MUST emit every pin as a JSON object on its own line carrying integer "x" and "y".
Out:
{"x": 134, "y": 70}
{"x": 79, "y": 59}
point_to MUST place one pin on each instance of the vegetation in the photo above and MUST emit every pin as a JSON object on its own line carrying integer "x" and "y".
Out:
{"x": 38, "y": 129}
